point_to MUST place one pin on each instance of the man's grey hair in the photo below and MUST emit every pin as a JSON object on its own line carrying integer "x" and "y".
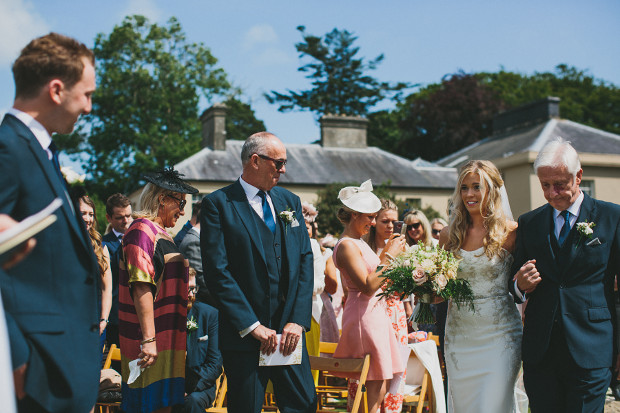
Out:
{"x": 256, "y": 143}
{"x": 556, "y": 154}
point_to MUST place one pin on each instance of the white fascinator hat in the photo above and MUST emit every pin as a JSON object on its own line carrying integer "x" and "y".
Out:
{"x": 360, "y": 198}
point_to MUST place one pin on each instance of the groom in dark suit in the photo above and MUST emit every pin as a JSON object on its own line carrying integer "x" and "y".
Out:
{"x": 258, "y": 267}
{"x": 51, "y": 297}
{"x": 567, "y": 255}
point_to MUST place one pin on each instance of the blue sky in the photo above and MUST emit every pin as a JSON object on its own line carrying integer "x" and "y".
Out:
{"x": 422, "y": 39}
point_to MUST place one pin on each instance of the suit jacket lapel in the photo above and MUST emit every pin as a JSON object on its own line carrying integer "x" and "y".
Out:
{"x": 543, "y": 232}
{"x": 588, "y": 209}
{"x": 240, "y": 203}
{"x": 55, "y": 183}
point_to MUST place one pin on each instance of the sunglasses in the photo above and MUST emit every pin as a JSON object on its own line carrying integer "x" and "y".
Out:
{"x": 279, "y": 163}
{"x": 193, "y": 290}
{"x": 436, "y": 231}
{"x": 182, "y": 202}
{"x": 413, "y": 226}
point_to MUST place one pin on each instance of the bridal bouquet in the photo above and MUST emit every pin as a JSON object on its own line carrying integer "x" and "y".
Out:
{"x": 426, "y": 271}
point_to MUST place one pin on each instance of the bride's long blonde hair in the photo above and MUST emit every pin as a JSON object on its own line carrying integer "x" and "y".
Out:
{"x": 493, "y": 215}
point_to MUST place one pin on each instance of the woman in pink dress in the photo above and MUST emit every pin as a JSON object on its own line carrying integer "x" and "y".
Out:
{"x": 377, "y": 238}
{"x": 366, "y": 328}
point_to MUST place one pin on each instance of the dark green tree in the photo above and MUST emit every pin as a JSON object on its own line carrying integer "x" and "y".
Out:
{"x": 340, "y": 83}
{"x": 442, "y": 118}
{"x": 241, "y": 121}
{"x": 145, "y": 110}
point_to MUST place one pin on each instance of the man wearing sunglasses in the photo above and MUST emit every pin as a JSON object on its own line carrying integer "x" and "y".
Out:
{"x": 258, "y": 266}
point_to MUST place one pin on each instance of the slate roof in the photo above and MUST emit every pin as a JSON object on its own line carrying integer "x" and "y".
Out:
{"x": 584, "y": 139}
{"x": 312, "y": 164}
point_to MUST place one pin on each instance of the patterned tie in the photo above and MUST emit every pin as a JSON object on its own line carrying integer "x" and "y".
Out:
{"x": 267, "y": 215}
{"x": 565, "y": 229}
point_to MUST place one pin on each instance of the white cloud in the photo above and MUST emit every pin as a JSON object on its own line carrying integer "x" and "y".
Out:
{"x": 146, "y": 8}
{"x": 19, "y": 23}
{"x": 259, "y": 35}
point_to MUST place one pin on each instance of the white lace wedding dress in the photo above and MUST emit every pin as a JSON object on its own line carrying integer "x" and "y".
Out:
{"x": 483, "y": 348}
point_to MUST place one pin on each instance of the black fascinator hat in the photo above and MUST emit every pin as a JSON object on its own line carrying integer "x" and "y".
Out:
{"x": 171, "y": 180}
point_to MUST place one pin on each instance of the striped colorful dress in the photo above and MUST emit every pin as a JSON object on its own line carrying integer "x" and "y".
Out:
{"x": 151, "y": 256}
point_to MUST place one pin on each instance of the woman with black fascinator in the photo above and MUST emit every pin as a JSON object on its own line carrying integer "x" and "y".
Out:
{"x": 153, "y": 299}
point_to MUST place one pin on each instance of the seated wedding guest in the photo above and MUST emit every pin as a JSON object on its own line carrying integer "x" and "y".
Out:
{"x": 377, "y": 238}
{"x": 195, "y": 219}
{"x": 118, "y": 214}
{"x": 437, "y": 225}
{"x": 203, "y": 364}
{"x": 366, "y": 328}
{"x": 152, "y": 274}
{"x": 89, "y": 215}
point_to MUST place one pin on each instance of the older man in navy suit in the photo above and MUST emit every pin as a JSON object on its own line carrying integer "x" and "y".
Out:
{"x": 567, "y": 255}
{"x": 51, "y": 297}
{"x": 258, "y": 267}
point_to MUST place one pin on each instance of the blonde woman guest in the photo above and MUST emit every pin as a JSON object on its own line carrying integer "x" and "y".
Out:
{"x": 437, "y": 225}
{"x": 377, "y": 238}
{"x": 153, "y": 294}
{"x": 89, "y": 215}
{"x": 366, "y": 328}
{"x": 483, "y": 348}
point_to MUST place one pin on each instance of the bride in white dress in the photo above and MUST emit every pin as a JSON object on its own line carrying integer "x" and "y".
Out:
{"x": 482, "y": 348}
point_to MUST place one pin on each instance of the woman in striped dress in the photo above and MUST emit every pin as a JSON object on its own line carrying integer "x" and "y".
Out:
{"x": 153, "y": 299}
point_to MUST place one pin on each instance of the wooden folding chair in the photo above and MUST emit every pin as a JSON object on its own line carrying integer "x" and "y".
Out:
{"x": 113, "y": 354}
{"x": 423, "y": 398}
{"x": 220, "y": 395}
{"x": 343, "y": 365}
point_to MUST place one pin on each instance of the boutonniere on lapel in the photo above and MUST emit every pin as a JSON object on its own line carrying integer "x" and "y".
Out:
{"x": 192, "y": 325}
{"x": 585, "y": 230}
{"x": 288, "y": 217}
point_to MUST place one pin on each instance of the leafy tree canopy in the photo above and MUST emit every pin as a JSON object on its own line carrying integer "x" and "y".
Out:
{"x": 241, "y": 121}
{"x": 145, "y": 110}
{"x": 444, "y": 117}
{"x": 340, "y": 83}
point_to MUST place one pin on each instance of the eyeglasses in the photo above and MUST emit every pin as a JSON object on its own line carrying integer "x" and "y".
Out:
{"x": 194, "y": 290}
{"x": 413, "y": 226}
{"x": 436, "y": 231}
{"x": 182, "y": 202}
{"x": 279, "y": 163}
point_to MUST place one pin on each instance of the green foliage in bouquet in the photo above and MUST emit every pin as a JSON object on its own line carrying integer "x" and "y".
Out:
{"x": 426, "y": 272}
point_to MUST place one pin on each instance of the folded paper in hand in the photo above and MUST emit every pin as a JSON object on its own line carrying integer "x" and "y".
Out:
{"x": 278, "y": 359}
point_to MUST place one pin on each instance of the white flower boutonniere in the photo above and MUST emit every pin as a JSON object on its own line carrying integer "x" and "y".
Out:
{"x": 192, "y": 325}
{"x": 287, "y": 217}
{"x": 585, "y": 230}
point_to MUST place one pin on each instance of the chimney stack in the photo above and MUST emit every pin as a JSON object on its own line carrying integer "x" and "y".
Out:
{"x": 214, "y": 127}
{"x": 527, "y": 115}
{"x": 340, "y": 131}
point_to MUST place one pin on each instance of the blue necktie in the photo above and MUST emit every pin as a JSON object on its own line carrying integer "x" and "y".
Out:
{"x": 267, "y": 215}
{"x": 54, "y": 150}
{"x": 565, "y": 228}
